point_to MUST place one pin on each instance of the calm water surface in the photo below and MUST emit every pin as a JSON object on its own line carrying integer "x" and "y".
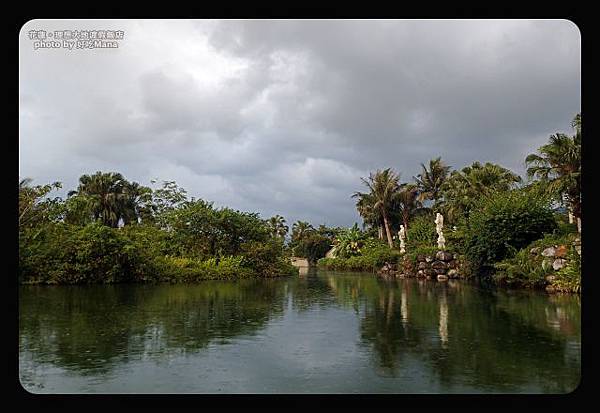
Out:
{"x": 322, "y": 332}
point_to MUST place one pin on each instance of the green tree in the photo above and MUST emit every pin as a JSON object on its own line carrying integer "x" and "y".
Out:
{"x": 430, "y": 181}
{"x": 383, "y": 188}
{"x": 558, "y": 165}
{"x": 277, "y": 226}
{"x": 462, "y": 188}
{"x": 105, "y": 194}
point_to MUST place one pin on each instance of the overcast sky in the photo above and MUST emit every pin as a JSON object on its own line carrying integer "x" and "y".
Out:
{"x": 284, "y": 117}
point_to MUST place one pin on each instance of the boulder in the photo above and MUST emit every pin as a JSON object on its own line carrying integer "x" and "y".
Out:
{"x": 578, "y": 249}
{"x": 443, "y": 256}
{"x": 439, "y": 265}
{"x": 440, "y": 270}
{"x": 422, "y": 266}
{"x": 550, "y": 289}
{"x": 550, "y": 278}
{"x": 452, "y": 273}
{"x": 428, "y": 259}
{"x": 429, "y": 272}
{"x": 420, "y": 257}
{"x": 452, "y": 264}
{"x": 442, "y": 277}
{"x": 558, "y": 264}
{"x": 561, "y": 251}
{"x": 535, "y": 251}
{"x": 549, "y": 252}
{"x": 420, "y": 273}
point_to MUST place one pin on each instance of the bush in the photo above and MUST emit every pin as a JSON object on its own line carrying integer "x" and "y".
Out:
{"x": 528, "y": 270}
{"x": 503, "y": 223}
{"x": 421, "y": 231}
{"x": 374, "y": 254}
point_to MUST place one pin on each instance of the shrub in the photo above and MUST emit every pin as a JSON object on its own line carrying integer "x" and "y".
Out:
{"x": 503, "y": 223}
{"x": 374, "y": 254}
{"x": 421, "y": 231}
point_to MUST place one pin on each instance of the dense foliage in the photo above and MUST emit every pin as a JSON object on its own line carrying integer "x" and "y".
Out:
{"x": 104, "y": 234}
{"x": 504, "y": 222}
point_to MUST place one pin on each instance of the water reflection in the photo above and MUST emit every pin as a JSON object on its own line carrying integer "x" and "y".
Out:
{"x": 413, "y": 334}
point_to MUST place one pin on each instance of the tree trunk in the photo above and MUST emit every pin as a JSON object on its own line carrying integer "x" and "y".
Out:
{"x": 387, "y": 229}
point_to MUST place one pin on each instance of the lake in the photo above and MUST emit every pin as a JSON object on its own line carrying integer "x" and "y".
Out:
{"x": 321, "y": 332}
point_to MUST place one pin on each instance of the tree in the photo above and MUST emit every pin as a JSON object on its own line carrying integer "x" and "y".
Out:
{"x": 558, "y": 165}
{"x": 277, "y": 226}
{"x": 462, "y": 188}
{"x": 365, "y": 205}
{"x": 383, "y": 187}
{"x": 407, "y": 201}
{"x": 430, "y": 182}
{"x": 32, "y": 208}
{"x": 300, "y": 230}
{"x": 105, "y": 193}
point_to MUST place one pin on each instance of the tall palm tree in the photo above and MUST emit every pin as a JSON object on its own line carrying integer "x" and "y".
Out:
{"x": 365, "y": 205}
{"x": 558, "y": 165}
{"x": 407, "y": 201}
{"x": 383, "y": 187}
{"x": 430, "y": 181}
{"x": 105, "y": 192}
{"x": 463, "y": 187}
{"x": 300, "y": 230}
{"x": 277, "y": 226}
{"x": 135, "y": 202}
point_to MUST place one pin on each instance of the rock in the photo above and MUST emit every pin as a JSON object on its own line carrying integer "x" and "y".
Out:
{"x": 578, "y": 249}
{"x": 439, "y": 265}
{"x": 550, "y": 278}
{"x": 442, "y": 277}
{"x": 453, "y": 264}
{"x": 535, "y": 251}
{"x": 429, "y": 277}
{"x": 549, "y": 252}
{"x": 422, "y": 266}
{"x": 443, "y": 256}
{"x": 561, "y": 251}
{"x": 429, "y": 272}
{"x": 420, "y": 273}
{"x": 428, "y": 259}
{"x": 455, "y": 256}
{"x": 440, "y": 270}
{"x": 558, "y": 264}
{"x": 452, "y": 273}
{"x": 420, "y": 258}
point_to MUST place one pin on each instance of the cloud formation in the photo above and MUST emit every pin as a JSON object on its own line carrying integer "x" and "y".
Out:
{"x": 286, "y": 116}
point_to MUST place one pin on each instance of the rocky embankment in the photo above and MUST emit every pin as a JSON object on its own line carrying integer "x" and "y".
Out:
{"x": 442, "y": 266}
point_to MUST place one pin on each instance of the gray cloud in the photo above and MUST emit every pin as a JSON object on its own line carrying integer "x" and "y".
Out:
{"x": 286, "y": 116}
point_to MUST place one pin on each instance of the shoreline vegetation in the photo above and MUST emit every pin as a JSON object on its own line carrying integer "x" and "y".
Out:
{"x": 498, "y": 228}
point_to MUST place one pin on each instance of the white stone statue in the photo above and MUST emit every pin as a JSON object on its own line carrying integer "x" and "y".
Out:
{"x": 402, "y": 236}
{"x": 439, "y": 224}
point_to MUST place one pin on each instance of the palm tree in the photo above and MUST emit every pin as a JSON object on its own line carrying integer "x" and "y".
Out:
{"x": 558, "y": 165}
{"x": 135, "y": 202}
{"x": 462, "y": 188}
{"x": 383, "y": 187}
{"x": 300, "y": 230}
{"x": 408, "y": 202}
{"x": 429, "y": 182}
{"x": 365, "y": 205}
{"x": 105, "y": 192}
{"x": 277, "y": 226}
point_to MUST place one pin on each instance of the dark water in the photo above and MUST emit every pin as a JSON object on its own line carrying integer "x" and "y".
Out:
{"x": 319, "y": 333}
